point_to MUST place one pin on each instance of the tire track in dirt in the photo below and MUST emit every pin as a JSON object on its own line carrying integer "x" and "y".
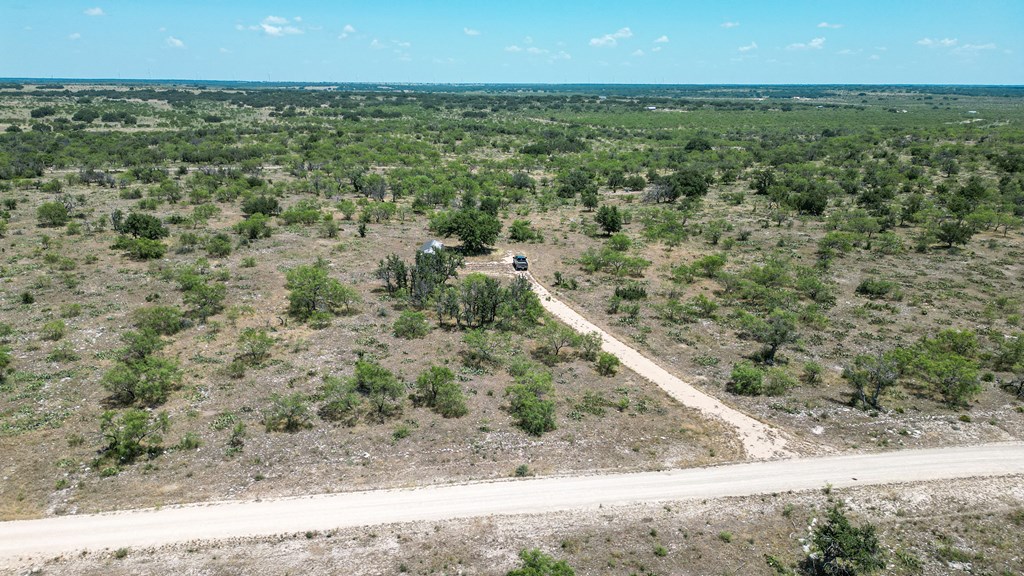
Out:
{"x": 761, "y": 441}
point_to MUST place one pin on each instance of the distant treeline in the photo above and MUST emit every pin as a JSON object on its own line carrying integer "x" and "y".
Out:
{"x": 713, "y": 91}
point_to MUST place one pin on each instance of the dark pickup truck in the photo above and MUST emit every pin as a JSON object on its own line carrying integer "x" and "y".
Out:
{"x": 519, "y": 263}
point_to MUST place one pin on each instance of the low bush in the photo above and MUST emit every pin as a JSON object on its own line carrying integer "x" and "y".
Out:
{"x": 746, "y": 379}
{"x": 607, "y": 364}
{"x": 287, "y": 413}
{"x": 877, "y": 288}
{"x": 411, "y": 325}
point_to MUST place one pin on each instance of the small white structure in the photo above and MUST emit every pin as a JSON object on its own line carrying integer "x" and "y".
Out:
{"x": 431, "y": 246}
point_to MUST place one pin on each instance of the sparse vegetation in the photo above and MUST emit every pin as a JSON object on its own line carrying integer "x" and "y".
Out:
{"x": 790, "y": 258}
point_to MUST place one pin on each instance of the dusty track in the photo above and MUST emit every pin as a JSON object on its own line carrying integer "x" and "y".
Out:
{"x": 22, "y": 542}
{"x": 760, "y": 440}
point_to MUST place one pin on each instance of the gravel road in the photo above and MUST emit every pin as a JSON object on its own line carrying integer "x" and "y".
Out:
{"x": 22, "y": 542}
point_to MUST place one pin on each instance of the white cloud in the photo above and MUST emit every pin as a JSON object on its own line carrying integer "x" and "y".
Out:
{"x": 403, "y": 44}
{"x": 656, "y": 49}
{"x": 945, "y": 42}
{"x": 637, "y": 52}
{"x": 471, "y": 32}
{"x": 513, "y": 48}
{"x": 662, "y": 39}
{"x": 74, "y": 36}
{"x": 612, "y": 40}
{"x": 729, "y": 24}
{"x": 815, "y": 44}
{"x": 276, "y": 26}
{"x": 748, "y": 47}
{"x": 874, "y": 57}
{"x": 848, "y": 52}
{"x": 970, "y": 48}
{"x": 528, "y": 40}
{"x": 97, "y": 11}
{"x": 225, "y": 51}
{"x": 829, "y": 25}
{"x": 535, "y": 50}
{"x": 347, "y": 31}
{"x": 562, "y": 55}
{"x": 280, "y": 30}
{"x": 377, "y": 44}
{"x": 175, "y": 42}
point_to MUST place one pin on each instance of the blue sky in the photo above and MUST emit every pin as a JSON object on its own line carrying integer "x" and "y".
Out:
{"x": 551, "y": 41}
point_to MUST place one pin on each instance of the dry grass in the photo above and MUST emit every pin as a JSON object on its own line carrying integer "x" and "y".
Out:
{"x": 51, "y": 410}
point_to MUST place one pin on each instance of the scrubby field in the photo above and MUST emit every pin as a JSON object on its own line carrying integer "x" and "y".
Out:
{"x": 215, "y": 293}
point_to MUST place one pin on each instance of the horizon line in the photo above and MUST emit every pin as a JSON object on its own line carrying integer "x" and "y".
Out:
{"x": 41, "y": 80}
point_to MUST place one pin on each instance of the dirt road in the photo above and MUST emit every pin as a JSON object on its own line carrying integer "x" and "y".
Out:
{"x": 759, "y": 440}
{"x": 22, "y": 542}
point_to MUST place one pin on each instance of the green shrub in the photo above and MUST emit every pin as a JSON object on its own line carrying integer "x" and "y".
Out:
{"x": 812, "y": 373}
{"x": 381, "y": 387}
{"x": 70, "y": 310}
{"x": 254, "y": 227}
{"x": 190, "y": 441}
{"x": 877, "y": 288}
{"x": 708, "y": 266}
{"x": 218, "y": 245}
{"x": 746, "y": 379}
{"x": 147, "y": 381}
{"x": 411, "y": 325}
{"x": 53, "y": 330}
{"x": 311, "y": 290}
{"x": 164, "y": 320}
{"x": 63, "y": 353}
{"x": 537, "y": 563}
{"x": 52, "y": 214}
{"x": 631, "y": 291}
{"x": 521, "y": 231}
{"x": 619, "y": 242}
{"x": 266, "y": 205}
{"x": 132, "y": 433}
{"x": 437, "y": 388}
{"x": 607, "y": 364}
{"x": 841, "y": 549}
{"x": 140, "y": 248}
{"x": 534, "y": 413}
{"x": 287, "y": 413}
{"x": 777, "y": 382}
{"x": 143, "y": 226}
{"x": 341, "y": 402}
{"x": 303, "y": 212}
{"x": 5, "y": 362}
{"x": 254, "y": 345}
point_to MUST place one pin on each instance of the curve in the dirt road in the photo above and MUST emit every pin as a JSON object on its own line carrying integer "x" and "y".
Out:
{"x": 23, "y": 543}
{"x": 760, "y": 440}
